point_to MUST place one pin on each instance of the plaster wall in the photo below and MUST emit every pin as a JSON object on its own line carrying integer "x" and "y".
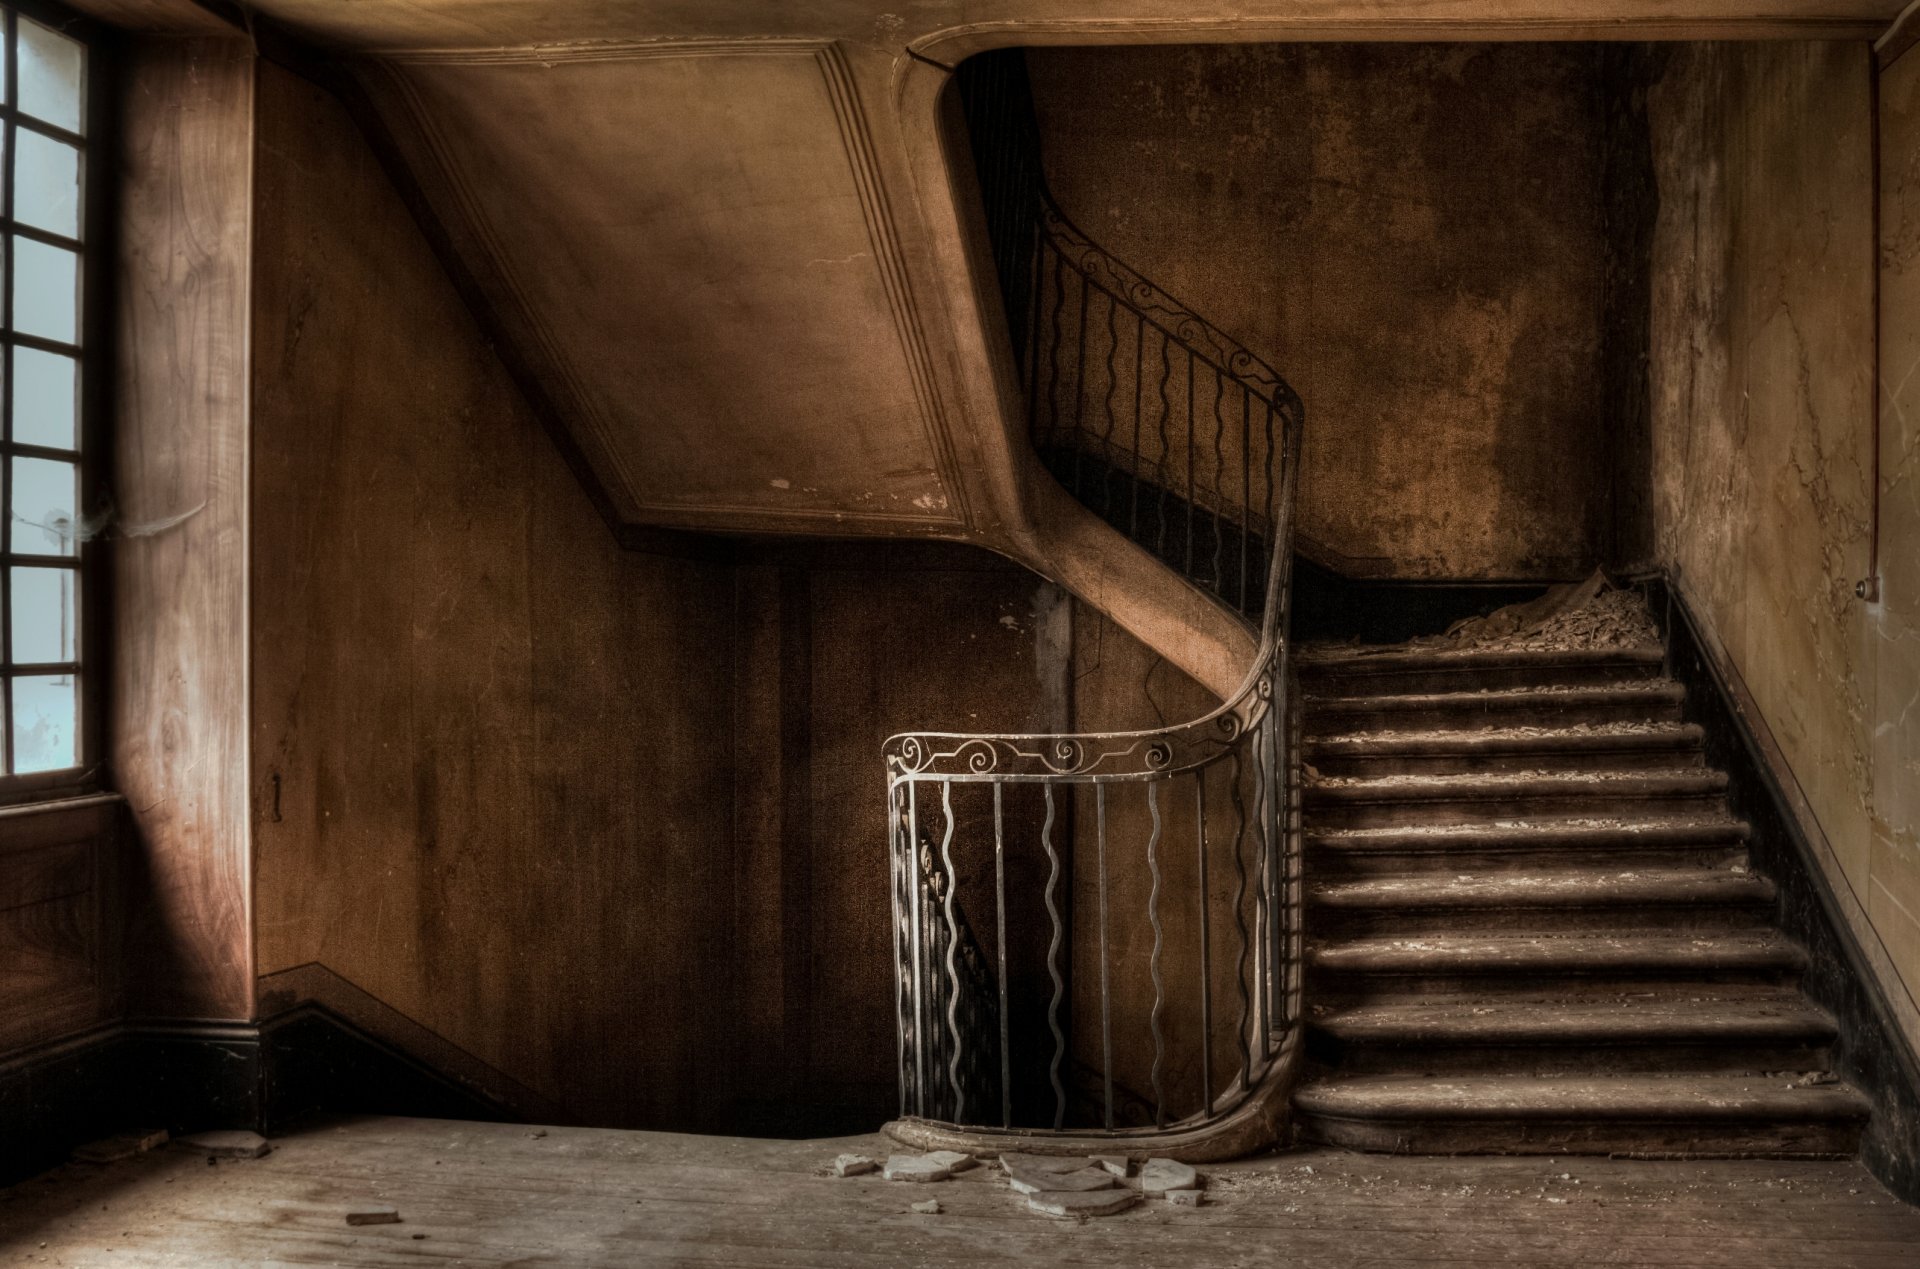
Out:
{"x": 1893, "y": 625}
{"x": 1763, "y": 432}
{"x": 1412, "y": 235}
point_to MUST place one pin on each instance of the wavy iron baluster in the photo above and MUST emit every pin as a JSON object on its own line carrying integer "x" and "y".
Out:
{"x": 1206, "y": 944}
{"x": 1240, "y": 919}
{"x": 1106, "y": 993}
{"x": 1053, "y": 967}
{"x": 1153, "y": 961}
{"x": 1219, "y": 478}
{"x": 953, "y": 950}
{"x": 1000, "y": 949}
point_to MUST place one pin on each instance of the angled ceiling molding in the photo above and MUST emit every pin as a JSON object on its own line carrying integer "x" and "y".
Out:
{"x": 449, "y": 189}
{"x": 602, "y": 51}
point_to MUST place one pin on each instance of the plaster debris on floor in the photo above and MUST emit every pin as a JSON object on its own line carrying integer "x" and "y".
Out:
{"x": 226, "y": 1144}
{"x": 1076, "y": 1187}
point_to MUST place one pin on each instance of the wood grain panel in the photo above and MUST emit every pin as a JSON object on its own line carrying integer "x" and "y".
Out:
{"x": 58, "y": 951}
{"x": 494, "y": 772}
{"x": 178, "y": 727}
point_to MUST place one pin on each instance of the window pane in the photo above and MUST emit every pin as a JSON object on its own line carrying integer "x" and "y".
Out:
{"x": 44, "y": 736}
{"x": 46, "y": 291}
{"x": 46, "y": 183}
{"x": 43, "y": 501}
{"x": 45, "y": 396}
{"x": 50, "y": 66}
{"x": 44, "y": 611}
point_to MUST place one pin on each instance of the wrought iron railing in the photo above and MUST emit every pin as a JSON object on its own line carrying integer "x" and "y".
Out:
{"x": 1189, "y": 444}
{"x": 1151, "y": 416}
{"x": 1233, "y": 777}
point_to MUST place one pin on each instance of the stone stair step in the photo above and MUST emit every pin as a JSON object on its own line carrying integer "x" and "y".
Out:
{"x": 1708, "y": 1015}
{"x": 1543, "y": 843}
{"x": 1690, "y": 1115}
{"x": 1357, "y": 802}
{"x": 1651, "y": 701}
{"x": 1608, "y": 747}
{"x": 1376, "y": 671}
{"x": 1556, "y": 888}
{"x": 1588, "y": 953}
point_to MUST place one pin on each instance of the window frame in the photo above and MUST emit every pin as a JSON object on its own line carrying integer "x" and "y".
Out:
{"x": 96, "y": 249}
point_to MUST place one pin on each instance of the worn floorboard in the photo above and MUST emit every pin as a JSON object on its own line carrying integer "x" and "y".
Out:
{"x": 495, "y": 1194}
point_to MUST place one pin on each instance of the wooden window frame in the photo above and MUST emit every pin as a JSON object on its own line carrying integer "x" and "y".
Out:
{"x": 93, "y": 352}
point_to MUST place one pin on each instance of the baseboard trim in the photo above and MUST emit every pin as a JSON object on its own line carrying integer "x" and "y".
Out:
{"x": 184, "y": 1077}
{"x": 1848, "y": 973}
{"x": 303, "y": 1064}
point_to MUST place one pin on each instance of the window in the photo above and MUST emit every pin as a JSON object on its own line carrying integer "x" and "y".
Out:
{"x": 43, "y": 155}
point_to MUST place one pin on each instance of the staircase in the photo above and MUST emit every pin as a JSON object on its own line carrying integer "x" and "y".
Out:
{"x": 1532, "y": 923}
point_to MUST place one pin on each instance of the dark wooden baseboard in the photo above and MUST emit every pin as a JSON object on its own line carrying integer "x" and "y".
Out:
{"x": 305, "y": 1064}
{"x": 1873, "y": 1053}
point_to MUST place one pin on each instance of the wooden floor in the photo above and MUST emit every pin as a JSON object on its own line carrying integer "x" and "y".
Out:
{"x": 491, "y": 1194}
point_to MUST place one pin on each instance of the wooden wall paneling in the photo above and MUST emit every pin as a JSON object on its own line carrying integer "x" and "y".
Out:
{"x": 59, "y": 962}
{"x": 493, "y": 747}
{"x": 177, "y": 731}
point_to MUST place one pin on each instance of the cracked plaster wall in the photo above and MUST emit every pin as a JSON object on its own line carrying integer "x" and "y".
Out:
{"x": 1763, "y": 430}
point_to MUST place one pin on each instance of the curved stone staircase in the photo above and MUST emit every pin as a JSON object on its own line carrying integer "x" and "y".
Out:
{"x": 1532, "y": 923}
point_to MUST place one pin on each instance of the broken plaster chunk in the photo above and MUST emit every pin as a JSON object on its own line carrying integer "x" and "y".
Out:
{"x": 914, "y": 1167}
{"x": 929, "y": 1208}
{"x": 1045, "y": 1162}
{"x": 226, "y": 1144}
{"x": 1116, "y": 1164}
{"x": 1158, "y": 1176}
{"x": 1083, "y": 1180}
{"x": 1185, "y": 1198}
{"x": 951, "y": 1160}
{"x": 852, "y": 1165}
{"x": 373, "y": 1214}
{"x": 120, "y": 1146}
{"x": 1082, "y": 1203}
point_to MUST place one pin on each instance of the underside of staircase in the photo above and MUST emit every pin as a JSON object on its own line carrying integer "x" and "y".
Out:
{"x": 1533, "y": 925}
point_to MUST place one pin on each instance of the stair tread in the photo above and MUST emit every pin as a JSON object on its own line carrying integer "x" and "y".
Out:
{"x": 1497, "y": 784}
{"x": 1654, "y": 1097}
{"x": 1545, "y": 698}
{"x": 1552, "y": 831}
{"x": 1579, "y": 1019}
{"x": 1599, "y": 950}
{"x": 1544, "y": 887}
{"x": 1588, "y": 737}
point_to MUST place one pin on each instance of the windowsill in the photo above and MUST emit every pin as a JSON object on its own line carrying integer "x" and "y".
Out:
{"x": 60, "y": 803}
{"x": 56, "y": 786}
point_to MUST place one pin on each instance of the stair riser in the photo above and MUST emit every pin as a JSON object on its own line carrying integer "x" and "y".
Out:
{"x": 1343, "y": 987}
{"x": 1406, "y": 814}
{"x": 1328, "y": 864}
{"x": 1756, "y": 1057}
{"x": 1738, "y": 1139}
{"x": 1319, "y": 682}
{"x": 1336, "y": 923}
{"x": 1376, "y": 766}
{"x": 1326, "y": 718}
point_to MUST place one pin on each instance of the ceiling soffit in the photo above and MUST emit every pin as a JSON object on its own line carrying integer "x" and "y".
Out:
{"x": 692, "y": 246}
